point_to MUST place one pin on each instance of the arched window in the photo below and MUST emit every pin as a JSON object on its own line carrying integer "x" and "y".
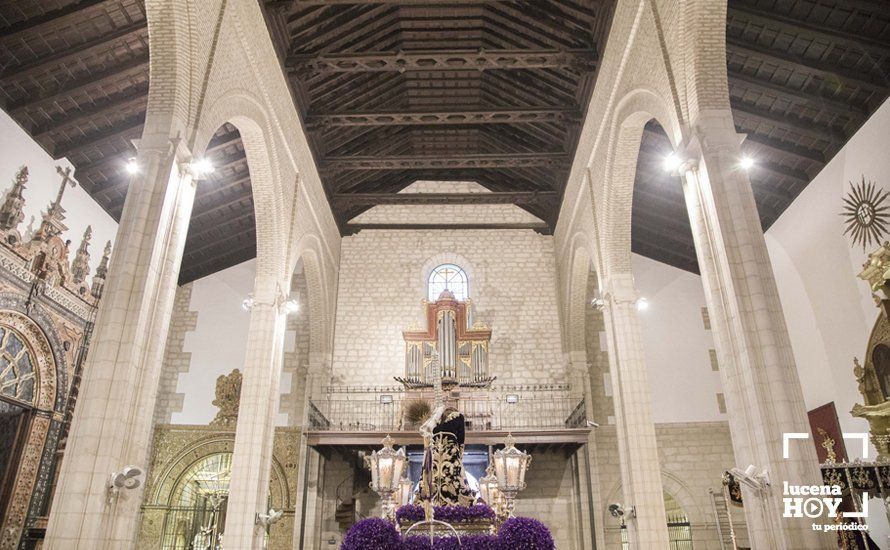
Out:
{"x": 451, "y": 277}
{"x": 17, "y": 376}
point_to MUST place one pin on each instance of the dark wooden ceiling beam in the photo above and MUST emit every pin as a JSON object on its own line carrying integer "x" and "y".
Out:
{"x": 201, "y": 232}
{"x": 492, "y": 116}
{"x": 500, "y": 160}
{"x": 789, "y": 93}
{"x": 777, "y": 21}
{"x": 125, "y": 130}
{"x": 249, "y": 233}
{"x": 356, "y": 227}
{"x": 780, "y": 120}
{"x": 138, "y": 66}
{"x": 461, "y": 60}
{"x": 85, "y": 117}
{"x": 787, "y": 148}
{"x": 76, "y": 53}
{"x": 354, "y": 199}
{"x": 301, "y": 3}
{"x": 54, "y": 19}
{"x": 783, "y": 58}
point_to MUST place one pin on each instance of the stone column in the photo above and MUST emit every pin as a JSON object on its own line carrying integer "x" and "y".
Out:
{"x": 760, "y": 381}
{"x": 255, "y": 432}
{"x": 113, "y": 419}
{"x": 637, "y": 448}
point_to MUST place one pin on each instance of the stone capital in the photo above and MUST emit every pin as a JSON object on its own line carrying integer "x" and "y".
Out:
{"x": 621, "y": 289}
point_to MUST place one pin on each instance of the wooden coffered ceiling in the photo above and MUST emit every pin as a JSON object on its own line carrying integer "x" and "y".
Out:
{"x": 399, "y": 91}
{"x": 392, "y": 91}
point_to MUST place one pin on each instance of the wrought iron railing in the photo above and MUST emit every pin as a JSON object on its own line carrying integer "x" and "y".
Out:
{"x": 379, "y": 408}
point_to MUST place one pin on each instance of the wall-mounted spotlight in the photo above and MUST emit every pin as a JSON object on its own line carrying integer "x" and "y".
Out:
{"x": 642, "y": 303}
{"x": 247, "y": 304}
{"x": 512, "y": 399}
{"x": 598, "y": 301}
{"x": 746, "y": 163}
{"x": 385, "y": 399}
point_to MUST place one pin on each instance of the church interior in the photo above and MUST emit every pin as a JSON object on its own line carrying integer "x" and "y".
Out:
{"x": 481, "y": 274}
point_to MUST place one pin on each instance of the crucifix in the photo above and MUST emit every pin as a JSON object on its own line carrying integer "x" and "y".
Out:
{"x": 66, "y": 180}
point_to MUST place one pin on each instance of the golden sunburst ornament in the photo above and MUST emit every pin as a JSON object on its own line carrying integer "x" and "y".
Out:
{"x": 865, "y": 214}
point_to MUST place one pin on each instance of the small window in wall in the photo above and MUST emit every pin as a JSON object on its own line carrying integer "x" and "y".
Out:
{"x": 712, "y": 353}
{"x": 706, "y": 318}
{"x": 450, "y": 277}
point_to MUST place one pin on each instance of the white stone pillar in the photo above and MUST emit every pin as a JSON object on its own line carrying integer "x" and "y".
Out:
{"x": 637, "y": 448}
{"x": 113, "y": 419}
{"x": 255, "y": 431}
{"x": 760, "y": 380}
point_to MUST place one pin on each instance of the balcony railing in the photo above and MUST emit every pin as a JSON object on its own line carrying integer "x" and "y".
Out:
{"x": 379, "y": 408}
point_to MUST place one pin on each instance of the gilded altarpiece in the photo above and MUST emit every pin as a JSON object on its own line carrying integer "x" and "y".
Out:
{"x": 176, "y": 448}
{"x": 47, "y": 310}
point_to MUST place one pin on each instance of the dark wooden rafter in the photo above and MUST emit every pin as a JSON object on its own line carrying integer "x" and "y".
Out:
{"x": 134, "y": 67}
{"x": 79, "y": 52}
{"x": 54, "y": 19}
{"x": 825, "y": 70}
{"x": 502, "y": 197}
{"x": 513, "y": 160}
{"x": 584, "y": 60}
{"x": 488, "y": 116}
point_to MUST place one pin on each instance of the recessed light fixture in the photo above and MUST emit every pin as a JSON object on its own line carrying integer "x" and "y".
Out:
{"x": 132, "y": 167}
{"x": 201, "y": 167}
{"x": 291, "y": 306}
{"x": 672, "y": 162}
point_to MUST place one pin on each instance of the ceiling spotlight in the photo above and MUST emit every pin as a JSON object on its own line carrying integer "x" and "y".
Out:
{"x": 132, "y": 167}
{"x": 201, "y": 167}
{"x": 672, "y": 162}
{"x": 291, "y": 306}
{"x": 746, "y": 162}
{"x": 642, "y": 304}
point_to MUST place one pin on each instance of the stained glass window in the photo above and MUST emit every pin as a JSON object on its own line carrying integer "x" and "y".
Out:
{"x": 17, "y": 375}
{"x": 451, "y": 277}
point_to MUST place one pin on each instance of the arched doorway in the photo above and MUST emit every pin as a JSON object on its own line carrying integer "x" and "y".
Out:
{"x": 18, "y": 400}
{"x": 679, "y": 530}
{"x": 28, "y": 400}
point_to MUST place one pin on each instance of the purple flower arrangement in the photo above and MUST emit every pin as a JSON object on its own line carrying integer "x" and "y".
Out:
{"x": 372, "y": 534}
{"x": 525, "y": 534}
{"x": 467, "y": 542}
{"x": 450, "y": 514}
{"x": 514, "y": 534}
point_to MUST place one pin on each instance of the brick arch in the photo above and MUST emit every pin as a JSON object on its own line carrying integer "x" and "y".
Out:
{"x": 576, "y": 300}
{"x": 320, "y": 310}
{"x": 631, "y": 115}
{"x": 673, "y": 486}
{"x": 246, "y": 113}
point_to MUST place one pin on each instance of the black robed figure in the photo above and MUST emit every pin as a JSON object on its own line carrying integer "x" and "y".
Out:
{"x": 443, "y": 482}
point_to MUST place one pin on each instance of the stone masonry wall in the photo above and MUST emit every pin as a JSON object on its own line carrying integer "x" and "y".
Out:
{"x": 693, "y": 457}
{"x": 382, "y": 284}
{"x": 176, "y": 361}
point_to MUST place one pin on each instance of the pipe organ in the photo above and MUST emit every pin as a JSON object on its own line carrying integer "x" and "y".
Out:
{"x": 448, "y": 343}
